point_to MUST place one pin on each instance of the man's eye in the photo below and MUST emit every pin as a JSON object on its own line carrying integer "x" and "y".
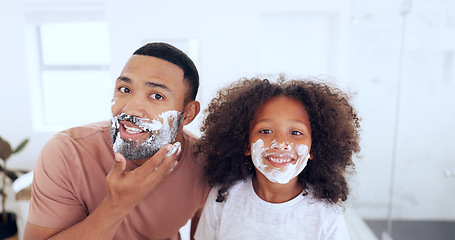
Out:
{"x": 124, "y": 89}
{"x": 296, "y": 133}
{"x": 265, "y": 131}
{"x": 157, "y": 96}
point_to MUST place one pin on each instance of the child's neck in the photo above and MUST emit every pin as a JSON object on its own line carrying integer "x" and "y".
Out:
{"x": 275, "y": 192}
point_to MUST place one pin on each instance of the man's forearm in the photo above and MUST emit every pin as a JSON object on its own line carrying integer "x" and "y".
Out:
{"x": 102, "y": 223}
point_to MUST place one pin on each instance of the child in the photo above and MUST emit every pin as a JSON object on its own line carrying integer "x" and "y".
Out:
{"x": 277, "y": 157}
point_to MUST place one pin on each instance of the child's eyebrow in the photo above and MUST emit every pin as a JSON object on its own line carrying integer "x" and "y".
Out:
{"x": 292, "y": 120}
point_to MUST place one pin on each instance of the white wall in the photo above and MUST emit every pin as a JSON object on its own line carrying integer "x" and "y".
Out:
{"x": 231, "y": 36}
{"x": 363, "y": 55}
{"x": 16, "y": 117}
{"x": 424, "y": 146}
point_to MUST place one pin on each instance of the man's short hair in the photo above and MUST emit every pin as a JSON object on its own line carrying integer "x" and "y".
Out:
{"x": 174, "y": 55}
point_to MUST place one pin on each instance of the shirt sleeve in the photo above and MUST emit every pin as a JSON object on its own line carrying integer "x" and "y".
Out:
{"x": 207, "y": 228}
{"x": 54, "y": 202}
{"x": 339, "y": 231}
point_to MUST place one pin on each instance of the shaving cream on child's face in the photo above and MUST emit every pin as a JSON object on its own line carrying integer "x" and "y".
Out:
{"x": 280, "y": 163}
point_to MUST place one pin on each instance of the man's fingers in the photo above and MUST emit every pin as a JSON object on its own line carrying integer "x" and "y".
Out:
{"x": 176, "y": 147}
{"x": 119, "y": 166}
{"x": 164, "y": 157}
{"x": 172, "y": 155}
{"x": 170, "y": 160}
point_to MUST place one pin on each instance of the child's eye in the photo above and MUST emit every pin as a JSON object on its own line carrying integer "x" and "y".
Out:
{"x": 265, "y": 131}
{"x": 157, "y": 96}
{"x": 124, "y": 89}
{"x": 296, "y": 133}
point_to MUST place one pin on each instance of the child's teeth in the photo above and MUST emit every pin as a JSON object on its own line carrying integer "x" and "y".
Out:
{"x": 278, "y": 160}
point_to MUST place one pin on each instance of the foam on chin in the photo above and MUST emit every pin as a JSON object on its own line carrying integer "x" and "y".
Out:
{"x": 279, "y": 175}
{"x": 161, "y": 134}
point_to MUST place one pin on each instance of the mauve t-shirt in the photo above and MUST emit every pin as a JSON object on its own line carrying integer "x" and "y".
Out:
{"x": 70, "y": 182}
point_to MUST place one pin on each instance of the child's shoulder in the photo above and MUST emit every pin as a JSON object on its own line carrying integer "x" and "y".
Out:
{"x": 319, "y": 205}
{"x": 238, "y": 189}
{"x": 242, "y": 185}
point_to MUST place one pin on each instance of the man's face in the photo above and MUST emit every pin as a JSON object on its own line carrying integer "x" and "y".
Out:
{"x": 147, "y": 106}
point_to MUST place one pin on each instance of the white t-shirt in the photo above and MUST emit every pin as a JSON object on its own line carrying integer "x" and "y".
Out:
{"x": 243, "y": 215}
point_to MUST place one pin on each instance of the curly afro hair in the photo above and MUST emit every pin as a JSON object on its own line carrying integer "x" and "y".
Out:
{"x": 334, "y": 129}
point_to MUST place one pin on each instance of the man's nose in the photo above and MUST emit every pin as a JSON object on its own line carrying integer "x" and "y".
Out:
{"x": 135, "y": 107}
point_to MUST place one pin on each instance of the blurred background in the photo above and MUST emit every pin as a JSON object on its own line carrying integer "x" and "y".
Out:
{"x": 59, "y": 60}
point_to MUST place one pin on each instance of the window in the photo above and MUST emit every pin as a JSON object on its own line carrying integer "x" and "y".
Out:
{"x": 70, "y": 77}
{"x": 74, "y": 72}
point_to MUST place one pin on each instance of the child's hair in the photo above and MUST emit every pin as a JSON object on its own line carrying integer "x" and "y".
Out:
{"x": 334, "y": 129}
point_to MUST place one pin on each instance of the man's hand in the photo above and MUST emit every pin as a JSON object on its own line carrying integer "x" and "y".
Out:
{"x": 126, "y": 189}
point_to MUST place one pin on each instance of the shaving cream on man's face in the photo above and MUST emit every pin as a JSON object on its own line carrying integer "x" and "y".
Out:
{"x": 163, "y": 130}
{"x": 279, "y": 166}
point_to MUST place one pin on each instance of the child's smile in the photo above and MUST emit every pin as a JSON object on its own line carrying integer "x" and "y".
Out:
{"x": 279, "y": 160}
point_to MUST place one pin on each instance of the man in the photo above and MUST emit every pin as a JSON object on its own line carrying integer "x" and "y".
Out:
{"x": 152, "y": 185}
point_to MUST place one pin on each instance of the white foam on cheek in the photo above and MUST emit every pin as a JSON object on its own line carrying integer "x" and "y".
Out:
{"x": 257, "y": 150}
{"x": 158, "y": 123}
{"x": 116, "y": 125}
{"x": 169, "y": 114}
{"x": 153, "y": 125}
{"x": 302, "y": 150}
{"x": 258, "y": 147}
{"x": 164, "y": 127}
{"x": 117, "y": 143}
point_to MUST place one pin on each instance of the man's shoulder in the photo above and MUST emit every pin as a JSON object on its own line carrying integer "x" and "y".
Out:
{"x": 100, "y": 129}
{"x": 77, "y": 145}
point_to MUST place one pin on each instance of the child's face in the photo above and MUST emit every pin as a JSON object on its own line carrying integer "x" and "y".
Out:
{"x": 280, "y": 139}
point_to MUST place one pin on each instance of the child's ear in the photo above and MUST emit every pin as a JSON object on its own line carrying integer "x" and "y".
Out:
{"x": 247, "y": 151}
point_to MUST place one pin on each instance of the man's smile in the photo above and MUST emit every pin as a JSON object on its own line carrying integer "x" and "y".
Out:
{"x": 131, "y": 132}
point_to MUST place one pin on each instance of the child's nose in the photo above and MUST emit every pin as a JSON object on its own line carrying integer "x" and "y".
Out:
{"x": 280, "y": 145}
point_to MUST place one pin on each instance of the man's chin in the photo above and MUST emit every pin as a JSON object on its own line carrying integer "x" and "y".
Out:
{"x": 137, "y": 154}
{"x": 132, "y": 150}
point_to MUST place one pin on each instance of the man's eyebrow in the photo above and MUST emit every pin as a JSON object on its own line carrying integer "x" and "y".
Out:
{"x": 124, "y": 79}
{"x": 158, "y": 85}
{"x": 150, "y": 84}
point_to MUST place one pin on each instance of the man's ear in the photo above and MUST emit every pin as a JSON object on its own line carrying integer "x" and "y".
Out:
{"x": 190, "y": 112}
